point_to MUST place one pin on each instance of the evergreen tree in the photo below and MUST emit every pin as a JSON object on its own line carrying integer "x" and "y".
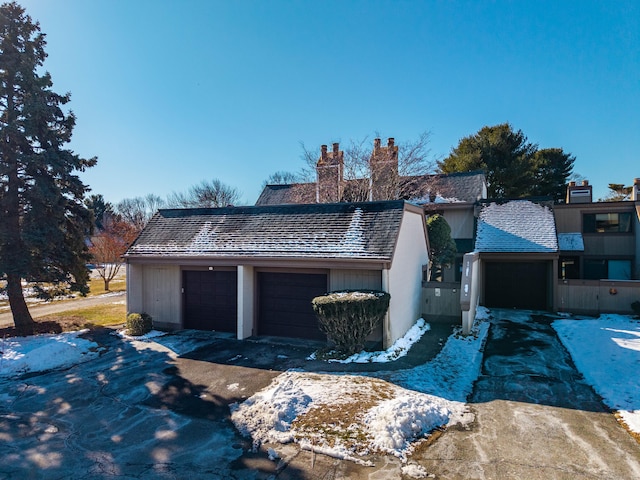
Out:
{"x": 42, "y": 217}
{"x": 514, "y": 167}
{"x": 617, "y": 193}
{"x": 550, "y": 170}
{"x": 443, "y": 247}
{"x": 100, "y": 209}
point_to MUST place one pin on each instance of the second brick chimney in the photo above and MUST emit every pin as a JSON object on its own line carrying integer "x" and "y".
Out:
{"x": 383, "y": 165}
{"x": 330, "y": 171}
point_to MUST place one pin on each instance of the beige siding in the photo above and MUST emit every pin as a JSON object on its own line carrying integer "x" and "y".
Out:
{"x": 246, "y": 301}
{"x": 609, "y": 245}
{"x": 135, "y": 302}
{"x": 462, "y": 222}
{"x": 597, "y": 296}
{"x": 405, "y": 276}
{"x": 441, "y": 301}
{"x": 355, "y": 279}
{"x": 568, "y": 220}
{"x": 161, "y": 286}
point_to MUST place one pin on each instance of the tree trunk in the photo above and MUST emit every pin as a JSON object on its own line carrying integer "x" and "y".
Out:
{"x": 106, "y": 285}
{"x": 21, "y": 316}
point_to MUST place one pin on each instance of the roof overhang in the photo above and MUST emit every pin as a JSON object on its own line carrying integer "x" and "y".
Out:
{"x": 285, "y": 262}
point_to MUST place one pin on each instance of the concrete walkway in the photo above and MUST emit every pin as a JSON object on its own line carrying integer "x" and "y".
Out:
{"x": 536, "y": 418}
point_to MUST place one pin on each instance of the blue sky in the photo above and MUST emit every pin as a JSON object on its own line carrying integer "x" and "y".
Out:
{"x": 169, "y": 93}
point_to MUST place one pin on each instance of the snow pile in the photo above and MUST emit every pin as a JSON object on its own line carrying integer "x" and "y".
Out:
{"x": 607, "y": 353}
{"x": 345, "y": 416}
{"x": 342, "y": 415}
{"x": 20, "y": 355}
{"x": 395, "y": 351}
{"x": 452, "y": 372}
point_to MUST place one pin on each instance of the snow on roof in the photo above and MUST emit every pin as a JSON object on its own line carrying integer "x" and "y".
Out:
{"x": 516, "y": 226}
{"x": 365, "y": 230}
{"x": 571, "y": 242}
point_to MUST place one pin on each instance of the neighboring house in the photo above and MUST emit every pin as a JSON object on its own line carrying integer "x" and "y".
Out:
{"x": 452, "y": 195}
{"x": 254, "y": 270}
{"x": 579, "y": 257}
{"x": 599, "y": 264}
{"x": 385, "y": 183}
{"x": 598, "y": 240}
{"x": 518, "y": 252}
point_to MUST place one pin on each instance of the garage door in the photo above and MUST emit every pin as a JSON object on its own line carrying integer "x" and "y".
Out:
{"x": 285, "y": 304}
{"x": 210, "y": 300}
{"x": 516, "y": 285}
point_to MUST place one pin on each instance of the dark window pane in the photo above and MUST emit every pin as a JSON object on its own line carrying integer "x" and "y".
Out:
{"x": 568, "y": 268}
{"x": 625, "y": 222}
{"x": 589, "y": 223}
{"x": 595, "y": 269}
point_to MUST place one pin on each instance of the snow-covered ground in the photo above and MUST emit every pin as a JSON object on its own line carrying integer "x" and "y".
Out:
{"x": 348, "y": 416}
{"x": 606, "y": 351}
{"x": 20, "y": 355}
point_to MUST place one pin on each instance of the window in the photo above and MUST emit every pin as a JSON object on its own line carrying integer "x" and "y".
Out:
{"x": 597, "y": 269}
{"x": 568, "y": 267}
{"x": 607, "y": 222}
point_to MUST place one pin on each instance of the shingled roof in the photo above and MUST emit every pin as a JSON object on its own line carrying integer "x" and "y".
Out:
{"x": 516, "y": 226}
{"x": 421, "y": 189}
{"x": 336, "y": 231}
{"x": 448, "y": 188}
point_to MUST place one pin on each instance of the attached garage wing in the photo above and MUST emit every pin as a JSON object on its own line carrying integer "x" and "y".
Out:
{"x": 285, "y": 304}
{"x": 210, "y": 300}
{"x": 522, "y": 285}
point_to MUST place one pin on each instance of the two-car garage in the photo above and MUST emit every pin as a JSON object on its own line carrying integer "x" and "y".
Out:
{"x": 210, "y": 302}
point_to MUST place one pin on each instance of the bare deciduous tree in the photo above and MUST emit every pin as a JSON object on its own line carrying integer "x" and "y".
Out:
{"x": 108, "y": 246}
{"x": 138, "y": 211}
{"x": 213, "y": 194}
{"x": 414, "y": 159}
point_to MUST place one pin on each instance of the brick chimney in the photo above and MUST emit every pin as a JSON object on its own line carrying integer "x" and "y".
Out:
{"x": 329, "y": 170}
{"x": 635, "y": 190}
{"x": 384, "y": 171}
{"x": 579, "y": 193}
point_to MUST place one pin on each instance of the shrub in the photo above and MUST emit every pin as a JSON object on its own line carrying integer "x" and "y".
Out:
{"x": 348, "y": 317}
{"x": 635, "y": 306}
{"x": 138, "y": 324}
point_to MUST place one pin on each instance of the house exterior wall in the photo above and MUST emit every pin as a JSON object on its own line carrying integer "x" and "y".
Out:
{"x": 637, "y": 231}
{"x": 156, "y": 290}
{"x": 135, "y": 288}
{"x": 597, "y": 296}
{"x": 405, "y": 275}
{"x": 461, "y": 221}
{"x": 441, "y": 301}
{"x": 601, "y": 245}
{"x": 246, "y": 301}
{"x": 355, "y": 279}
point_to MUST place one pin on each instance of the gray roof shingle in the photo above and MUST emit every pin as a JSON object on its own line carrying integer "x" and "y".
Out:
{"x": 450, "y": 187}
{"x": 336, "y": 231}
{"x": 516, "y": 226}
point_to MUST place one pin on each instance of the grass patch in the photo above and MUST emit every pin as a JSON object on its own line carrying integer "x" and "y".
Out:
{"x": 326, "y": 424}
{"x": 95, "y": 316}
{"x": 96, "y": 286}
{"x": 75, "y": 319}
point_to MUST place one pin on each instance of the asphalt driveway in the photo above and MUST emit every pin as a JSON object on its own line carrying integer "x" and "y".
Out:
{"x": 536, "y": 418}
{"x": 160, "y": 410}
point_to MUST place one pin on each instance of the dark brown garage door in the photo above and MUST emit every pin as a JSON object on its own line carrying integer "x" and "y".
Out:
{"x": 285, "y": 304}
{"x": 516, "y": 285}
{"x": 210, "y": 300}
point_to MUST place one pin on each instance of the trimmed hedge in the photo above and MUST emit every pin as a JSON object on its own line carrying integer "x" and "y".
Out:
{"x": 139, "y": 324}
{"x": 348, "y": 317}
